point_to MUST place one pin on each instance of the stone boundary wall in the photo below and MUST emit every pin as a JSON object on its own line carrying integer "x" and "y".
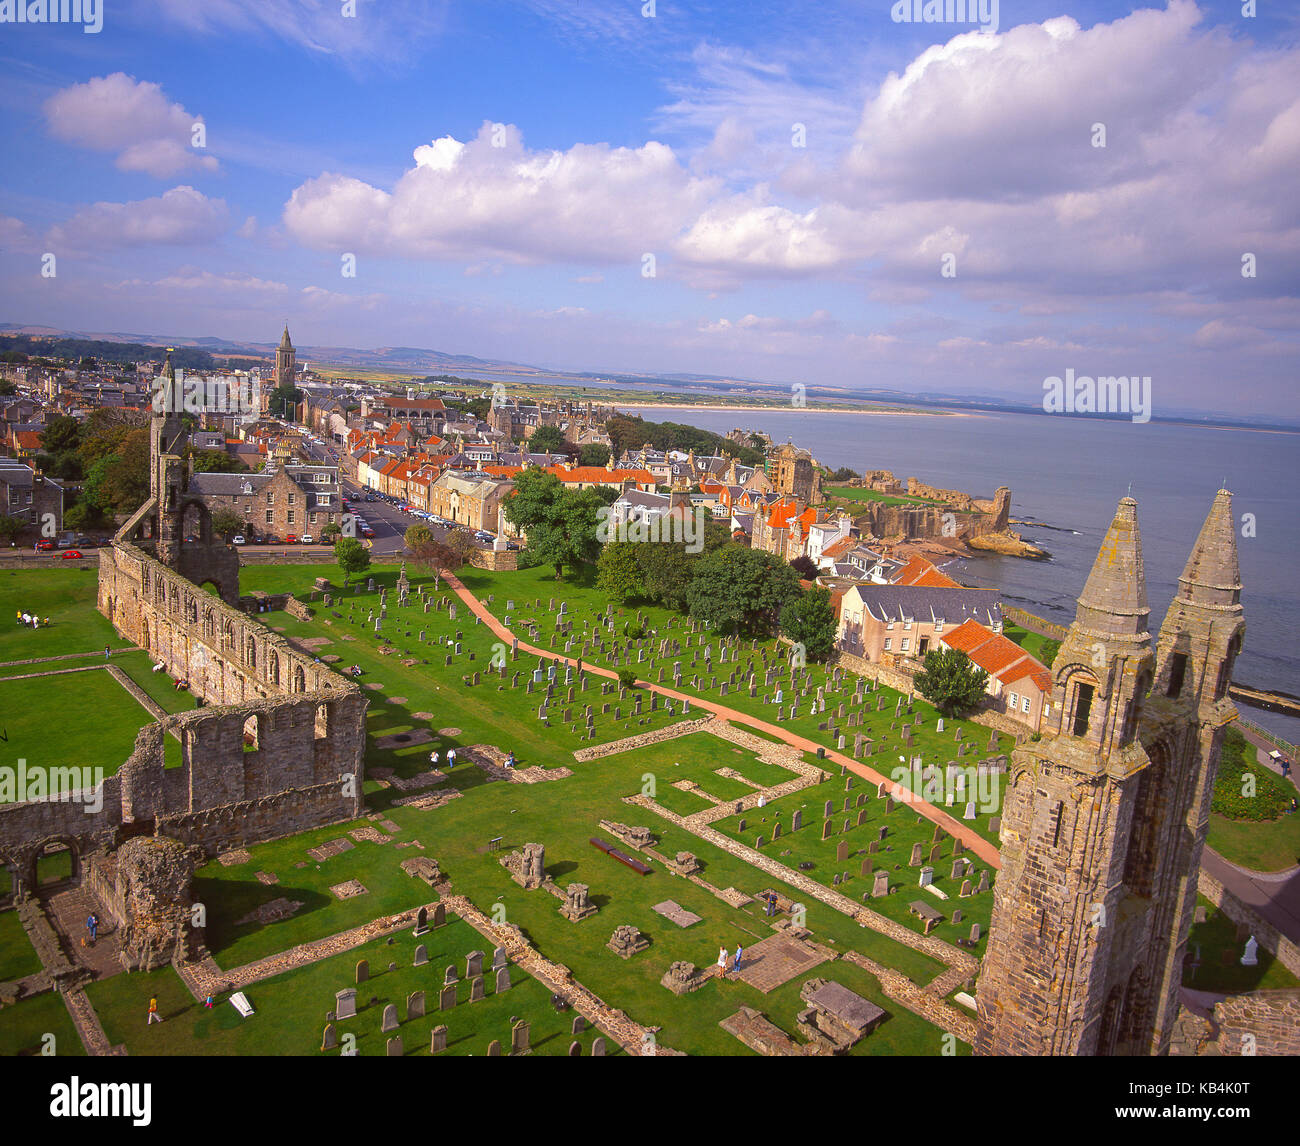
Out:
{"x": 1034, "y": 623}
{"x": 1268, "y": 936}
{"x": 629, "y": 743}
{"x": 891, "y": 678}
{"x": 1272, "y": 1018}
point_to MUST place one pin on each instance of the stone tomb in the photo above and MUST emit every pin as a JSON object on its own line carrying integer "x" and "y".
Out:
{"x": 836, "y": 1016}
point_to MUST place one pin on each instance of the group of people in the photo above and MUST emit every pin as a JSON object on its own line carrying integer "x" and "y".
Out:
{"x": 32, "y": 619}
{"x": 451, "y": 758}
{"x": 722, "y": 960}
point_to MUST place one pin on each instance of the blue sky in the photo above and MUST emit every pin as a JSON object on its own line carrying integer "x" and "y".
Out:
{"x": 828, "y": 195}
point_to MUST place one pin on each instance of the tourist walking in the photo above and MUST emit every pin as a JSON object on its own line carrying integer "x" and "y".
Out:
{"x": 510, "y": 760}
{"x": 92, "y": 925}
{"x": 739, "y": 952}
{"x": 154, "y": 1016}
{"x": 433, "y": 758}
{"x": 451, "y": 758}
{"x": 722, "y": 962}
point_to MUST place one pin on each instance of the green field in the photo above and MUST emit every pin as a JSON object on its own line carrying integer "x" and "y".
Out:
{"x": 96, "y": 726}
{"x": 562, "y": 814}
{"x": 1216, "y": 952}
{"x": 17, "y": 956}
{"x": 39, "y": 1025}
{"x": 855, "y": 493}
{"x": 67, "y": 597}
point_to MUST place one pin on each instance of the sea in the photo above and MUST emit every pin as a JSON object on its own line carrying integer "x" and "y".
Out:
{"x": 1066, "y": 476}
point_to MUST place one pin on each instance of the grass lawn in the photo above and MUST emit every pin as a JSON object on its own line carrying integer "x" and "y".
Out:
{"x": 291, "y": 1008}
{"x": 96, "y": 726}
{"x": 17, "y": 955}
{"x": 852, "y": 493}
{"x": 1261, "y": 845}
{"x": 1032, "y": 643}
{"x": 67, "y": 597}
{"x": 1214, "y": 947}
{"x": 26, "y": 1027}
{"x": 562, "y": 814}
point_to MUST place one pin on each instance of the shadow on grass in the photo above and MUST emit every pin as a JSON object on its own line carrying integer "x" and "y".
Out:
{"x": 238, "y": 899}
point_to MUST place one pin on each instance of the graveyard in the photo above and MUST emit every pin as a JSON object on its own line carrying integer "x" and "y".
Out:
{"x": 634, "y": 836}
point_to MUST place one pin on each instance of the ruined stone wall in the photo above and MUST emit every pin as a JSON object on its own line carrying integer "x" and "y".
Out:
{"x": 1268, "y": 936}
{"x": 225, "y": 654}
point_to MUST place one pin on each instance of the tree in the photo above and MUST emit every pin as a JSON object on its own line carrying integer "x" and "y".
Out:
{"x": 82, "y": 516}
{"x": 215, "y": 462}
{"x": 332, "y": 529}
{"x": 547, "y": 439}
{"x": 593, "y": 454}
{"x": 417, "y": 536}
{"x": 844, "y": 474}
{"x": 741, "y": 590}
{"x": 618, "y": 571}
{"x": 352, "y": 556}
{"x": 805, "y": 566}
{"x": 226, "y": 522}
{"x": 7, "y": 388}
{"x": 61, "y": 434}
{"x": 627, "y": 678}
{"x": 10, "y": 527}
{"x": 809, "y": 620}
{"x": 560, "y": 523}
{"x": 951, "y": 681}
{"x": 282, "y": 401}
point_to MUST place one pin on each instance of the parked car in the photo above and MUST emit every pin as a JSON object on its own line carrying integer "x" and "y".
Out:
{"x": 71, "y": 554}
{"x": 238, "y": 539}
{"x": 44, "y": 545}
{"x": 366, "y": 531}
{"x": 291, "y": 539}
{"x": 308, "y": 539}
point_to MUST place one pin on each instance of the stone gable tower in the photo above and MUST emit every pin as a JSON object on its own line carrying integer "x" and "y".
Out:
{"x": 167, "y": 437}
{"x": 1104, "y": 819}
{"x": 286, "y": 360}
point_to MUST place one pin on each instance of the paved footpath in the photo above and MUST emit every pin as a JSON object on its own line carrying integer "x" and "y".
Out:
{"x": 972, "y": 840}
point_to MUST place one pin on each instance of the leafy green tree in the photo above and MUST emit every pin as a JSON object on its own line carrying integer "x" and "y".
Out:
{"x": 627, "y": 678}
{"x": 333, "y": 529}
{"x": 951, "y": 681}
{"x": 560, "y": 524}
{"x": 805, "y": 566}
{"x": 82, "y": 516}
{"x": 226, "y": 522}
{"x": 61, "y": 434}
{"x": 7, "y": 388}
{"x": 618, "y": 571}
{"x": 10, "y": 527}
{"x": 844, "y": 474}
{"x": 417, "y": 536}
{"x": 593, "y": 454}
{"x": 215, "y": 462}
{"x": 352, "y": 556}
{"x": 547, "y": 439}
{"x": 282, "y": 402}
{"x": 740, "y": 590}
{"x": 809, "y": 619}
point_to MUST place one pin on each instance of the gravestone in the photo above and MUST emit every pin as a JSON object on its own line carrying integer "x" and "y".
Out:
{"x": 842, "y": 852}
{"x": 519, "y": 1037}
{"x": 503, "y": 979}
{"x": 415, "y": 1005}
{"x": 389, "y": 1022}
{"x": 421, "y": 956}
{"x": 395, "y": 1049}
{"x": 927, "y": 876}
{"x": 438, "y": 1039}
{"x": 476, "y": 989}
{"x": 329, "y": 1039}
{"x": 363, "y": 970}
{"x": 598, "y": 1047}
{"x": 473, "y": 964}
{"x": 796, "y": 821}
{"x": 345, "y": 1003}
{"x": 880, "y": 885}
{"x": 579, "y": 1025}
{"x": 447, "y": 997}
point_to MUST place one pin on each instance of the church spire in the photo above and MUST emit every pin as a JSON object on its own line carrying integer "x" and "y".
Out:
{"x": 1212, "y": 575}
{"x": 1114, "y": 600}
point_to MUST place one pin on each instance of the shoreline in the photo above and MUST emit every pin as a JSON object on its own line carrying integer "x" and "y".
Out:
{"x": 794, "y": 409}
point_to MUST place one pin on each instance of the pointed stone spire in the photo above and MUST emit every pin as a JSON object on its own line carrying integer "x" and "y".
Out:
{"x": 285, "y": 344}
{"x": 1114, "y": 601}
{"x": 1212, "y": 575}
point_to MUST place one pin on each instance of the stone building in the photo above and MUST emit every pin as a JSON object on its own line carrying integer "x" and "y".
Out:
{"x": 31, "y": 497}
{"x": 1105, "y": 818}
{"x": 794, "y": 472}
{"x": 293, "y": 500}
{"x": 469, "y": 498}
{"x": 286, "y": 361}
{"x": 277, "y": 745}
